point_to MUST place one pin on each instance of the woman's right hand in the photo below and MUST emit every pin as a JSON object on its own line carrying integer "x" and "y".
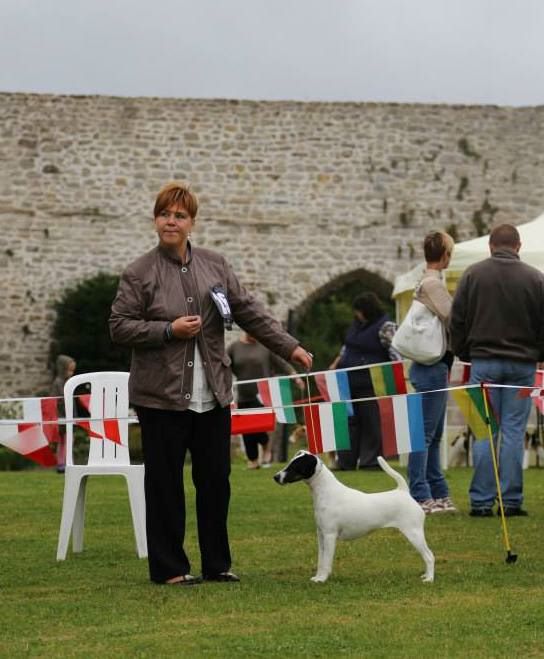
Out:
{"x": 185, "y": 327}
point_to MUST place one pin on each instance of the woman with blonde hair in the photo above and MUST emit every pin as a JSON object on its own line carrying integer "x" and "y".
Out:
{"x": 428, "y": 485}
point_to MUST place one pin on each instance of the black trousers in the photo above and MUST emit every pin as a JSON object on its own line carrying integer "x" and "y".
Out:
{"x": 365, "y": 437}
{"x": 166, "y": 437}
{"x": 252, "y": 440}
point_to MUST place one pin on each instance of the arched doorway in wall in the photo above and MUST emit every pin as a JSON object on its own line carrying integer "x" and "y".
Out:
{"x": 321, "y": 321}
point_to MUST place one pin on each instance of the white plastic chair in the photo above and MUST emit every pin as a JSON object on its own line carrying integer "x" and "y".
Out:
{"x": 109, "y": 399}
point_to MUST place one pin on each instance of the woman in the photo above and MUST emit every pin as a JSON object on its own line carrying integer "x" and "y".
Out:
{"x": 368, "y": 341}
{"x": 172, "y": 307}
{"x": 428, "y": 485}
{"x": 250, "y": 361}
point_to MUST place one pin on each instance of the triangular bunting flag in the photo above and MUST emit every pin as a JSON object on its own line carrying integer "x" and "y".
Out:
{"x": 28, "y": 438}
{"x": 99, "y": 428}
{"x": 471, "y": 404}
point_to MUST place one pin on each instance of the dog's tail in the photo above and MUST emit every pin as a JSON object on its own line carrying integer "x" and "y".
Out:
{"x": 402, "y": 485}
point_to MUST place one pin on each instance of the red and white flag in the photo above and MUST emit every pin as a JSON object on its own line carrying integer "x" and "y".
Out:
{"x": 99, "y": 428}
{"x": 276, "y": 393}
{"x": 539, "y": 400}
{"x": 245, "y": 422}
{"x": 102, "y": 429}
{"x": 536, "y": 392}
{"x": 30, "y": 438}
{"x": 460, "y": 373}
{"x": 327, "y": 427}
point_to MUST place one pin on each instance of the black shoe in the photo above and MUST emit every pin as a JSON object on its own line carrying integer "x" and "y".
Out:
{"x": 185, "y": 580}
{"x": 222, "y": 576}
{"x": 513, "y": 512}
{"x": 481, "y": 512}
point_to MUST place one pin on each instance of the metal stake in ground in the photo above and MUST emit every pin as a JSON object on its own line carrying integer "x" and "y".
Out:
{"x": 510, "y": 557}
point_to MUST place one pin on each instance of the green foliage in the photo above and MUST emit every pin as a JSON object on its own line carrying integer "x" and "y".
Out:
{"x": 467, "y": 150}
{"x": 452, "y": 230}
{"x": 406, "y": 217}
{"x": 479, "y": 223}
{"x": 463, "y": 185}
{"x": 100, "y": 603}
{"x": 482, "y": 219}
{"x": 11, "y": 461}
{"x": 81, "y": 327}
{"x": 322, "y": 327}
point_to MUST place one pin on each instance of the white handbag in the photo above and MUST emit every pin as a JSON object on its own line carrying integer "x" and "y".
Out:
{"x": 421, "y": 336}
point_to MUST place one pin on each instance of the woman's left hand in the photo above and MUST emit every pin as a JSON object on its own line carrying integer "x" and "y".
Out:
{"x": 302, "y": 357}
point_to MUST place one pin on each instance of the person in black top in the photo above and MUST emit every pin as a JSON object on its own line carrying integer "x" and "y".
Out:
{"x": 367, "y": 341}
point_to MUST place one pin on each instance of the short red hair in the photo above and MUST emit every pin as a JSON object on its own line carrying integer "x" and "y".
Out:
{"x": 176, "y": 192}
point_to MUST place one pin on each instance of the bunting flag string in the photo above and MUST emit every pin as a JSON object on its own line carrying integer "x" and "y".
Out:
{"x": 288, "y": 403}
{"x": 28, "y": 436}
{"x": 37, "y": 426}
{"x": 536, "y": 393}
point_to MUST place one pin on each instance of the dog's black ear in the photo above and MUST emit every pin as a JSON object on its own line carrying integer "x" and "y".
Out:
{"x": 301, "y": 467}
{"x": 306, "y": 465}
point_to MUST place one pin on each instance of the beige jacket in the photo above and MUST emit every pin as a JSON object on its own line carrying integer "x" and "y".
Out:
{"x": 156, "y": 289}
{"x": 432, "y": 292}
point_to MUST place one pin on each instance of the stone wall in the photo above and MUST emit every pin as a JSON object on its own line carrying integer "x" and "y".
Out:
{"x": 295, "y": 194}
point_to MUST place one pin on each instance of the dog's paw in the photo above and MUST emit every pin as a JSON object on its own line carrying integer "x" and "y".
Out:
{"x": 427, "y": 579}
{"x": 318, "y": 579}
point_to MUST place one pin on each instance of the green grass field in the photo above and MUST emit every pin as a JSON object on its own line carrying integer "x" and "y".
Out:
{"x": 100, "y": 602}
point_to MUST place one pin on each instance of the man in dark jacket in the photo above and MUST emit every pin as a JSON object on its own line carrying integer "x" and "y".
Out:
{"x": 497, "y": 323}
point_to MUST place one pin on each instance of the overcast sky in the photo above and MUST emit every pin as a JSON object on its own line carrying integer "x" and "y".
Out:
{"x": 446, "y": 51}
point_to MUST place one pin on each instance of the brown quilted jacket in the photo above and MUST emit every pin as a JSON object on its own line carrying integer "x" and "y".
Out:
{"x": 156, "y": 289}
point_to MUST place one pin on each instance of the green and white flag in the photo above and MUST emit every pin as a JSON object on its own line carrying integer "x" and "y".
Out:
{"x": 276, "y": 393}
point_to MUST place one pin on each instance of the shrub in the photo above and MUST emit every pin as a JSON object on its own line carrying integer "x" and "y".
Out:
{"x": 81, "y": 327}
{"x": 323, "y": 325}
{"x": 11, "y": 461}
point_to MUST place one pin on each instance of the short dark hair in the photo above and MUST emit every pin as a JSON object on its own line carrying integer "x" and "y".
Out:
{"x": 505, "y": 235}
{"x": 369, "y": 305}
{"x": 436, "y": 244}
